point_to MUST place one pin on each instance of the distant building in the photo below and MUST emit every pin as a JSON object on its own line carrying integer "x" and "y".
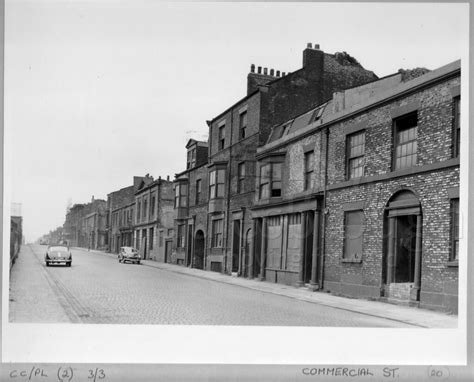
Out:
{"x": 120, "y": 209}
{"x": 153, "y": 217}
{"x": 85, "y": 225}
{"x": 16, "y": 232}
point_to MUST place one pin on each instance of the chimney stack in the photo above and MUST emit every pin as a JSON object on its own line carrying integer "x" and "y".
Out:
{"x": 252, "y": 68}
{"x": 278, "y": 73}
{"x": 168, "y": 178}
{"x": 259, "y": 70}
{"x": 272, "y": 72}
{"x": 313, "y": 57}
{"x": 265, "y": 71}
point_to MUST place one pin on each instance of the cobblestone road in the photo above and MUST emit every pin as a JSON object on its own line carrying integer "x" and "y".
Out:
{"x": 99, "y": 289}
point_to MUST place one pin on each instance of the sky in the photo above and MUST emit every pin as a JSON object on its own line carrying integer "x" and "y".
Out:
{"x": 97, "y": 92}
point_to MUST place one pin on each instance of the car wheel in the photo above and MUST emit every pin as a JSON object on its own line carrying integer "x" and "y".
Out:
{"x": 138, "y": 262}
{"x": 119, "y": 260}
{"x": 68, "y": 264}
{"x": 47, "y": 263}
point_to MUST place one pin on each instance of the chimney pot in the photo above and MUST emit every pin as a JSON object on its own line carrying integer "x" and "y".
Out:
{"x": 272, "y": 72}
{"x": 278, "y": 73}
{"x": 168, "y": 178}
{"x": 159, "y": 178}
{"x": 252, "y": 68}
{"x": 259, "y": 69}
{"x": 283, "y": 74}
{"x": 309, "y": 45}
{"x": 316, "y": 46}
{"x": 265, "y": 70}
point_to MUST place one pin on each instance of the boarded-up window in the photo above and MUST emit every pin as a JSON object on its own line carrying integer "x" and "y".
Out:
{"x": 274, "y": 236}
{"x": 353, "y": 234}
{"x": 293, "y": 251}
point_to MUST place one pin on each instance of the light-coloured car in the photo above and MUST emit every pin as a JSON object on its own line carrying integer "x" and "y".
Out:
{"x": 129, "y": 254}
{"x": 58, "y": 254}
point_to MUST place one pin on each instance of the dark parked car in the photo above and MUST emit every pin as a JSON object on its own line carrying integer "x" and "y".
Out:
{"x": 129, "y": 254}
{"x": 58, "y": 254}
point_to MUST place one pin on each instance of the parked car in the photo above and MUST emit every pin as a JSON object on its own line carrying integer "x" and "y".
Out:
{"x": 58, "y": 254}
{"x": 129, "y": 254}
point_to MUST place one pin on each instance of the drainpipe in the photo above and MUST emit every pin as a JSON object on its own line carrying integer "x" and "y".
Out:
{"x": 323, "y": 228}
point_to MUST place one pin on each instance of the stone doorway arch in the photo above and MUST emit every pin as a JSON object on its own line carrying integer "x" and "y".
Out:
{"x": 402, "y": 257}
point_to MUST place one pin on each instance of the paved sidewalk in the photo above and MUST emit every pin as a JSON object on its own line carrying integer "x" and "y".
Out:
{"x": 42, "y": 306}
{"x": 410, "y": 315}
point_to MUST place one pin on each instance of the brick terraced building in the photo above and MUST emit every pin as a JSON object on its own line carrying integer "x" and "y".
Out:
{"x": 359, "y": 196}
{"x": 236, "y": 133}
{"x": 190, "y": 208}
{"x": 120, "y": 209}
{"x": 153, "y": 215}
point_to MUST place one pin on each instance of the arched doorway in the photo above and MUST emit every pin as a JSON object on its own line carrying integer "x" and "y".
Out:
{"x": 402, "y": 247}
{"x": 199, "y": 250}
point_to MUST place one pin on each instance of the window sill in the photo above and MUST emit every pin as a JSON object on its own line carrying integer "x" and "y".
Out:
{"x": 452, "y": 264}
{"x": 351, "y": 261}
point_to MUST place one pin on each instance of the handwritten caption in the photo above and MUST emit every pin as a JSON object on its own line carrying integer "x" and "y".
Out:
{"x": 61, "y": 374}
{"x": 435, "y": 373}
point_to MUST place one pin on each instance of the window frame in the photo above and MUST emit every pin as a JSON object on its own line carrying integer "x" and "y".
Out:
{"x": 217, "y": 238}
{"x": 221, "y": 140}
{"x": 270, "y": 180}
{"x": 180, "y": 196}
{"x": 145, "y": 205}
{"x": 214, "y": 183}
{"x": 243, "y": 117}
{"x": 139, "y": 210}
{"x": 308, "y": 171}
{"x": 456, "y": 135}
{"x": 152, "y": 206}
{"x": 180, "y": 235}
{"x": 240, "y": 177}
{"x": 350, "y": 158}
{"x": 198, "y": 191}
{"x": 396, "y": 138}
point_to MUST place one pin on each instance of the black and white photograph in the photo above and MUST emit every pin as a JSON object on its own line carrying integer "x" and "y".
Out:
{"x": 235, "y": 183}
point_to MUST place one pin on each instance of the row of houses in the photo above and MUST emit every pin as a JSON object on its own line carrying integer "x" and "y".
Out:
{"x": 327, "y": 177}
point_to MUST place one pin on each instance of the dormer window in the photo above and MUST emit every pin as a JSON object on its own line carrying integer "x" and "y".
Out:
{"x": 193, "y": 157}
{"x": 191, "y": 161}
